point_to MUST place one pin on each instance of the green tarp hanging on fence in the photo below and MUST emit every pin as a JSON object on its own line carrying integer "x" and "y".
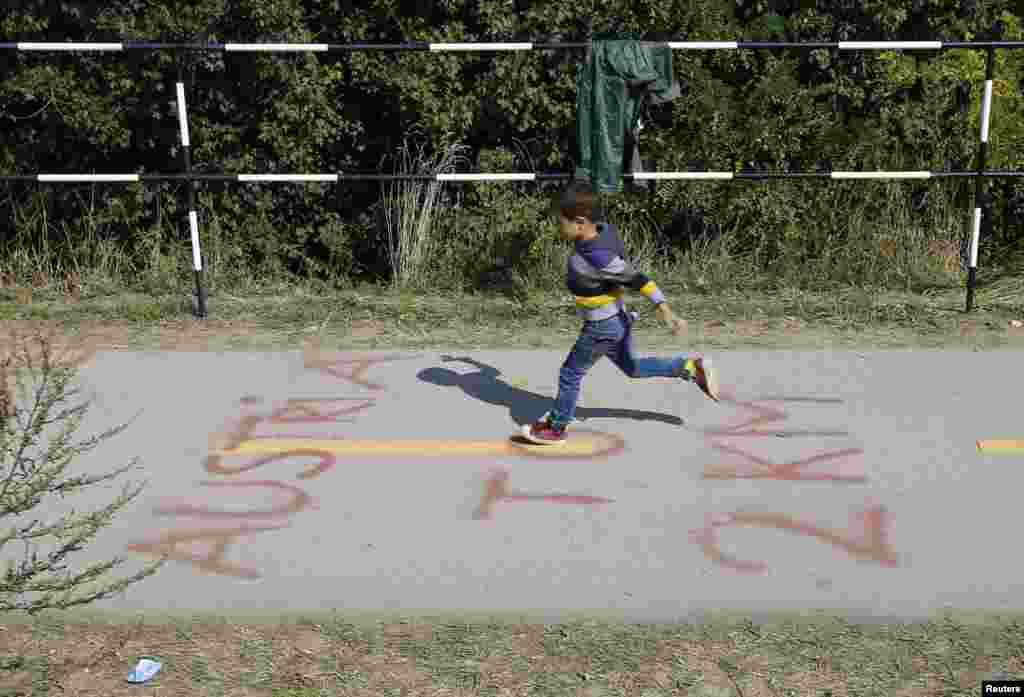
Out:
{"x": 620, "y": 73}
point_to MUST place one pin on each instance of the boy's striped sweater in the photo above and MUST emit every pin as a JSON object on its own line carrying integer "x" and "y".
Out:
{"x": 599, "y": 272}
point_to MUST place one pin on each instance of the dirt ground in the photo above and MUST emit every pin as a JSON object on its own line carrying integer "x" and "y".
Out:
{"x": 333, "y": 658}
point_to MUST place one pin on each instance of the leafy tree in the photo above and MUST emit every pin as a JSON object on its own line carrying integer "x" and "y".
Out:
{"x": 31, "y": 476}
{"x": 778, "y": 109}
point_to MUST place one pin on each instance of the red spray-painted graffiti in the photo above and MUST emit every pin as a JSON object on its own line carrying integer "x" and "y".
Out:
{"x": 764, "y": 468}
{"x": 870, "y": 543}
{"x": 214, "y": 463}
{"x": 496, "y": 489}
{"x": 308, "y": 411}
{"x": 299, "y": 501}
{"x": 214, "y": 561}
{"x": 866, "y": 538}
{"x": 232, "y": 438}
{"x": 172, "y": 544}
{"x": 313, "y": 357}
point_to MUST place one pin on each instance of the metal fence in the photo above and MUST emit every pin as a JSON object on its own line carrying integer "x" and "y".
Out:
{"x": 980, "y": 174}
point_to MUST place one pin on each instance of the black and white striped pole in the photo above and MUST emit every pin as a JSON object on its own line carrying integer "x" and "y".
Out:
{"x": 980, "y": 173}
{"x": 979, "y": 191}
{"x": 193, "y": 220}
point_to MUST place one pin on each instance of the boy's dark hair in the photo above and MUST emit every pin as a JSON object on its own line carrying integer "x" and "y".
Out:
{"x": 578, "y": 200}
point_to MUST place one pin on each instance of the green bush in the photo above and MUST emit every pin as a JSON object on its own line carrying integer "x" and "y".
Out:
{"x": 774, "y": 109}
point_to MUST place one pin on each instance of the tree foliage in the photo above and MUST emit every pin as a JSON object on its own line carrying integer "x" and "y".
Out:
{"x": 32, "y": 476}
{"x": 262, "y": 112}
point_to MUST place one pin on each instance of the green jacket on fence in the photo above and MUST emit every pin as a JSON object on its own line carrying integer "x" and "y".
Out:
{"x": 611, "y": 86}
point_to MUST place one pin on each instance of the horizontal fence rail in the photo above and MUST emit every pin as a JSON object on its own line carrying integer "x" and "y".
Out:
{"x": 511, "y": 46}
{"x": 494, "y": 177}
{"x": 979, "y": 175}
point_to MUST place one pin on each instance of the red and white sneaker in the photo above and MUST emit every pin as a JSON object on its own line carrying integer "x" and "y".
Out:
{"x": 704, "y": 376}
{"x": 543, "y": 432}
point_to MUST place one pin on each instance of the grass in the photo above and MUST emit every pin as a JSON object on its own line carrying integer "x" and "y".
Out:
{"x": 408, "y": 207}
{"x": 385, "y": 319}
{"x": 314, "y": 656}
{"x": 868, "y": 273}
{"x": 909, "y": 292}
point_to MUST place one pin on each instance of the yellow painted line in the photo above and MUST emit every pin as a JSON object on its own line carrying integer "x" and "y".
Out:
{"x": 1001, "y": 446}
{"x": 371, "y": 447}
{"x": 585, "y": 444}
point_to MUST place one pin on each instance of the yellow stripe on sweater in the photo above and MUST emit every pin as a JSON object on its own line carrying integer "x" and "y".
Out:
{"x": 649, "y": 288}
{"x": 599, "y": 300}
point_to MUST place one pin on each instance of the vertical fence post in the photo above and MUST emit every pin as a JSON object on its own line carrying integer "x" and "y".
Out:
{"x": 979, "y": 191}
{"x": 193, "y": 221}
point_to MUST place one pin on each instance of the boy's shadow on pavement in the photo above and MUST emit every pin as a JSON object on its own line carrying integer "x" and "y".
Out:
{"x": 524, "y": 407}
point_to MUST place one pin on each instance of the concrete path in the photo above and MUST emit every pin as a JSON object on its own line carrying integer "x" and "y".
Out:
{"x": 851, "y": 482}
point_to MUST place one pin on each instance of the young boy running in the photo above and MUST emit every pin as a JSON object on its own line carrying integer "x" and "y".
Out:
{"x": 598, "y": 272}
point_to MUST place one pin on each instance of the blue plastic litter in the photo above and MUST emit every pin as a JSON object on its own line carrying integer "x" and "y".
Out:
{"x": 144, "y": 670}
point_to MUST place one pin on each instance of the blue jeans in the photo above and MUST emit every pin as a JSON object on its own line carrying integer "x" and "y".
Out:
{"x": 610, "y": 337}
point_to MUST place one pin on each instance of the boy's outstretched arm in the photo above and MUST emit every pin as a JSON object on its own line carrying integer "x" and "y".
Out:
{"x": 676, "y": 324}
